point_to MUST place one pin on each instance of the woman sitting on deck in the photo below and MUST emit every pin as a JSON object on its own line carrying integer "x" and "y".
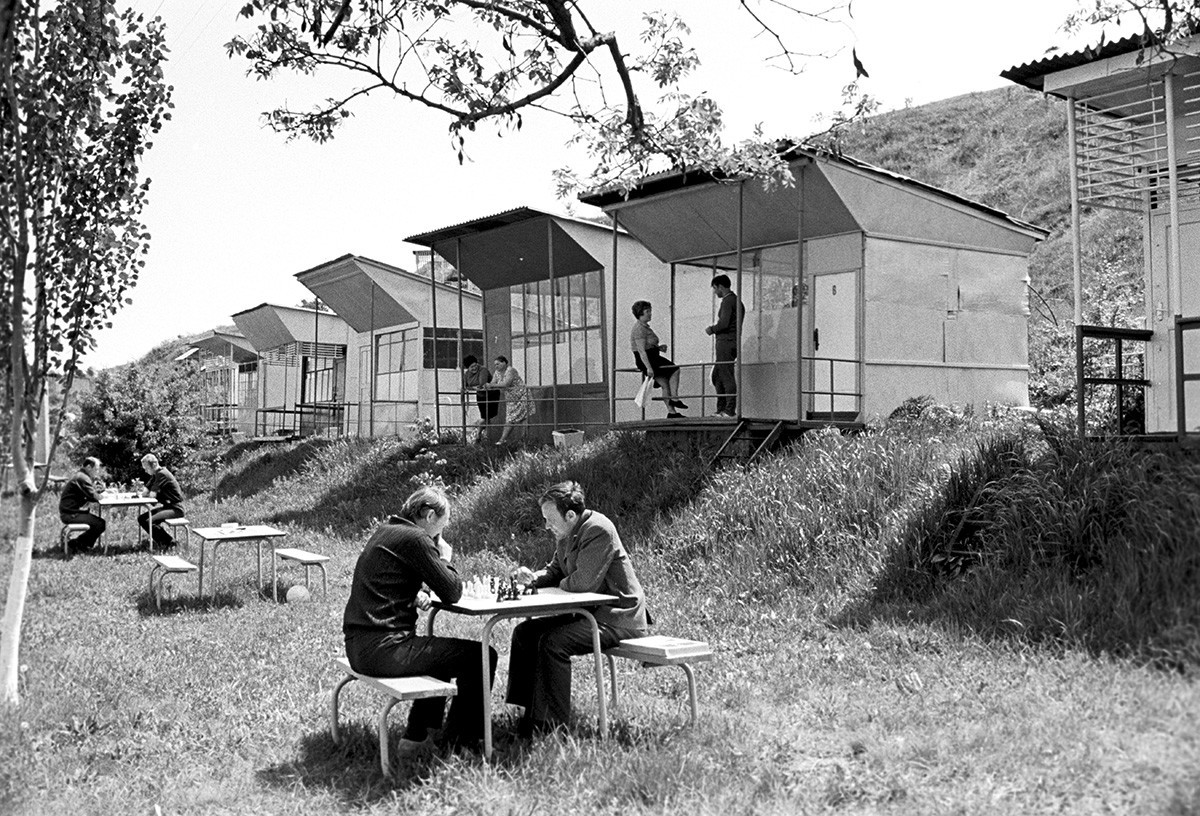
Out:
{"x": 647, "y": 354}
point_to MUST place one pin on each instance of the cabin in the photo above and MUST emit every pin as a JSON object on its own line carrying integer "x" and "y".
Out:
{"x": 301, "y": 372}
{"x": 408, "y": 333}
{"x": 228, "y": 367}
{"x": 862, "y": 288}
{"x": 1132, "y": 118}
{"x": 552, "y": 306}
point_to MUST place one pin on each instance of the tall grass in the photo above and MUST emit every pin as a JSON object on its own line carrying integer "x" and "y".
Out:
{"x": 1080, "y": 543}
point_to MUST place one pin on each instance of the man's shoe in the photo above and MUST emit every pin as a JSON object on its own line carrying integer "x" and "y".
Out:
{"x": 674, "y": 415}
{"x": 678, "y": 404}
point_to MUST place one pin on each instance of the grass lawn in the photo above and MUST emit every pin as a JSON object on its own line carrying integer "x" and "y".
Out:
{"x": 221, "y": 706}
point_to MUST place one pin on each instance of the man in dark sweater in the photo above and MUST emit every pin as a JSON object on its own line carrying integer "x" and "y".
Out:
{"x": 78, "y": 496}
{"x": 726, "y": 332}
{"x": 162, "y": 486}
{"x": 380, "y": 620}
{"x": 588, "y": 557}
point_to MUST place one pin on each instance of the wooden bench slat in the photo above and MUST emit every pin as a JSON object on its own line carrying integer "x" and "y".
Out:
{"x": 77, "y": 528}
{"x": 402, "y": 688}
{"x": 303, "y": 556}
{"x": 662, "y": 650}
{"x": 173, "y": 563}
{"x": 176, "y": 522}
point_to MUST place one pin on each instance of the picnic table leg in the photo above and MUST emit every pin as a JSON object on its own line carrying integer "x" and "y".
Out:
{"x": 599, "y": 668}
{"x": 200, "y": 593}
{"x": 485, "y": 642}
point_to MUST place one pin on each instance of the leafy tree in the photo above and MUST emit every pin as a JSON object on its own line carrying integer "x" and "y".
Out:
{"x": 134, "y": 411}
{"x": 81, "y": 91}
{"x": 1161, "y": 22}
{"x": 493, "y": 60}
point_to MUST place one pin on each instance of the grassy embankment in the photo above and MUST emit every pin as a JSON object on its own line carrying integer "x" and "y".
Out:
{"x": 944, "y": 615}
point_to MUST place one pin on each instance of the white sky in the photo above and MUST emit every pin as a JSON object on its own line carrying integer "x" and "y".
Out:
{"x": 235, "y": 210}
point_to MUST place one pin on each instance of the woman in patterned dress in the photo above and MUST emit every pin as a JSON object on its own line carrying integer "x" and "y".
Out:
{"x": 518, "y": 403}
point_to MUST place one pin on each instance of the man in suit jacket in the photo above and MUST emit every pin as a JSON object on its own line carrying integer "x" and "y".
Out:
{"x": 726, "y": 331}
{"x": 588, "y": 557}
{"x": 79, "y": 495}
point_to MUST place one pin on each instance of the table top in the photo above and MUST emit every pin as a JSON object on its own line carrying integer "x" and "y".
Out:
{"x": 550, "y": 599}
{"x": 238, "y": 532}
{"x": 124, "y": 499}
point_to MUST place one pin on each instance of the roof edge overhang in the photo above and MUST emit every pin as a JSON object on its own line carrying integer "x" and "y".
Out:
{"x": 1139, "y": 50}
{"x": 489, "y": 222}
{"x": 330, "y": 266}
{"x": 790, "y": 152}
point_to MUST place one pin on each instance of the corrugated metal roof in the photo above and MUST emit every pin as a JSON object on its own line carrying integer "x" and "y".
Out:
{"x": 674, "y": 179}
{"x": 1030, "y": 74}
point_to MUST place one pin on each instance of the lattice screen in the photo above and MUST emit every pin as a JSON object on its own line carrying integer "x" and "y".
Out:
{"x": 1121, "y": 143}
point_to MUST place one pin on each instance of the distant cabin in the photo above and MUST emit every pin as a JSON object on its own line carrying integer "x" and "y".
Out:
{"x": 548, "y": 306}
{"x": 407, "y": 335}
{"x": 228, "y": 367}
{"x": 301, "y": 373}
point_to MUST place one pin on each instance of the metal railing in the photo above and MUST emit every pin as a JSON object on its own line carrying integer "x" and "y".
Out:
{"x": 1182, "y": 376}
{"x": 1118, "y": 379}
{"x": 818, "y": 395}
{"x": 319, "y": 419}
{"x": 568, "y": 406}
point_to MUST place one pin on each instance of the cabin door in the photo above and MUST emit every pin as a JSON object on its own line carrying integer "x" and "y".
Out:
{"x": 835, "y": 345}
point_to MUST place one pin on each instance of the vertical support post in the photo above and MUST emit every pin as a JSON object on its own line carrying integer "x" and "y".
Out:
{"x": 553, "y": 324}
{"x": 1076, "y": 256}
{"x": 737, "y": 309}
{"x": 371, "y": 369}
{"x": 603, "y": 322}
{"x": 800, "y": 283}
{"x": 1175, "y": 269}
{"x": 462, "y": 330}
{"x": 437, "y": 384}
{"x": 612, "y": 400}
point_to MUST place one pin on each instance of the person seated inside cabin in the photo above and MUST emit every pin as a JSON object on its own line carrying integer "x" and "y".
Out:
{"x": 163, "y": 487}
{"x": 79, "y": 496}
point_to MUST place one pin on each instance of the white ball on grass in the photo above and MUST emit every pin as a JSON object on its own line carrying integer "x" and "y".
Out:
{"x": 298, "y": 594}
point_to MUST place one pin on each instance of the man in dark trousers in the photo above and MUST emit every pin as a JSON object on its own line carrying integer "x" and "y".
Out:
{"x": 78, "y": 496}
{"x": 161, "y": 486}
{"x": 588, "y": 557}
{"x": 726, "y": 333}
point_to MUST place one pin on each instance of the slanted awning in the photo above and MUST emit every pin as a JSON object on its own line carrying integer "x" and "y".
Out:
{"x": 185, "y": 354}
{"x": 268, "y": 326}
{"x": 370, "y": 295}
{"x": 692, "y": 216}
{"x": 512, "y": 247}
{"x": 224, "y": 344}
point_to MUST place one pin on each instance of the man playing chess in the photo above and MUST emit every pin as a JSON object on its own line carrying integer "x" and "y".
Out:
{"x": 588, "y": 557}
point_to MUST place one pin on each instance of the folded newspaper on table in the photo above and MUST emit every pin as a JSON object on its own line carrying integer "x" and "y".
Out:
{"x": 663, "y": 646}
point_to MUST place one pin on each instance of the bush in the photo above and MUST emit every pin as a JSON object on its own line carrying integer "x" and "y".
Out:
{"x": 134, "y": 411}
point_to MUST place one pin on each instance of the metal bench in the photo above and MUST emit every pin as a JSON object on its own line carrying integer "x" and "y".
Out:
{"x": 164, "y": 565}
{"x": 660, "y": 650}
{"x": 69, "y": 533}
{"x": 174, "y": 525}
{"x": 306, "y": 558}
{"x": 396, "y": 689}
